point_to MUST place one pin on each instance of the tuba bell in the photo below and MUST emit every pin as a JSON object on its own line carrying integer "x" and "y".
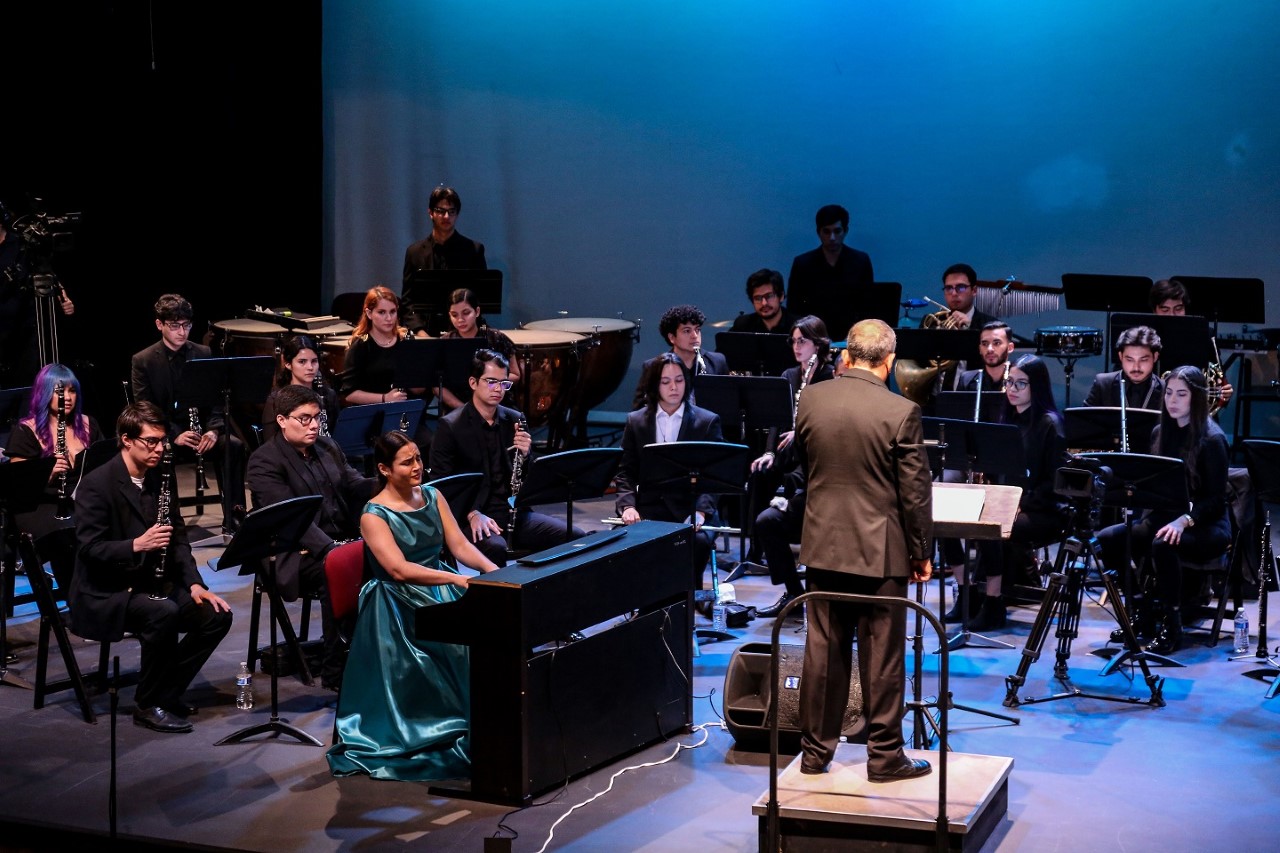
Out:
{"x": 915, "y": 379}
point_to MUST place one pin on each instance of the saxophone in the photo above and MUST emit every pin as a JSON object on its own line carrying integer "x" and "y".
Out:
{"x": 63, "y": 512}
{"x": 162, "y": 517}
{"x": 517, "y": 482}
{"x": 317, "y": 385}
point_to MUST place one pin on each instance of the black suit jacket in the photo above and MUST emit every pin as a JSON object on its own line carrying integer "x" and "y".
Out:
{"x": 458, "y": 448}
{"x": 278, "y": 472}
{"x": 110, "y": 513}
{"x": 641, "y": 429}
{"x": 816, "y": 287}
{"x": 716, "y": 365}
{"x": 456, "y": 253}
{"x": 152, "y": 382}
{"x": 1105, "y": 391}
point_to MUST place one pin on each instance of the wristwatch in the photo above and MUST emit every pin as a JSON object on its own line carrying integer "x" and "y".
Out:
{"x": 1191, "y": 522}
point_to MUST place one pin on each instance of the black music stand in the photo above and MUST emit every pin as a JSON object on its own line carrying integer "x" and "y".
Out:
{"x": 1098, "y": 428}
{"x": 426, "y": 296}
{"x": 1139, "y": 481}
{"x": 688, "y": 469}
{"x": 573, "y": 475}
{"x": 1264, "y": 473}
{"x": 264, "y": 534}
{"x": 210, "y": 382}
{"x": 21, "y": 484}
{"x": 460, "y": 490}
{"x": 357, "y": 427}
{"x": 11, "y": 405}
{"x": 925, "y": 346}
{"x": 1184, "y": 340}
{"x": 755, "y": 353}
{"x": 1106, "y": 293}
{"x": 994, "y": 450}
{"x": 1226, "y": 300}
{"x": 435, "y": 363}
{"x": 880, "y": 300}
{"x": 958, "y": 405}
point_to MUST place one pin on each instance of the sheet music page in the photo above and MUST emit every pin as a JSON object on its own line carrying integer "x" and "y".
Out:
{"x": 958, "y": 504}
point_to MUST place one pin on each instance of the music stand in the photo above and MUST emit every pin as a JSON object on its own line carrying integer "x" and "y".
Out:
{"x": 925, "y": 346}
{"x": 958, "y": 405}
{"x": 689, "y": 469}
{"x": 1226, "y": 300}
{"x": 1098, "y": 428}
{"x": 1263, "y": 459}
{"x": 212, "y": 382}
{"x": 1184, "y": 340}
{"x": 435, "y": 363}
{"x": 880, "y": 300}
{"x": 755, "y": 353}
{"x": 459, "y": 490}
{"x": 426, "y": 296}
{"x": 264, "y": 534}
{"x": 11, "y": 404}
{"x": 21, "y": 484}
{"x": 750, "y": 402}
{"x": 1106, "y": 293}
{"x": 573, "y": 475}
{"x": 1140, "y": 481}
{"x": 356, "y": 427}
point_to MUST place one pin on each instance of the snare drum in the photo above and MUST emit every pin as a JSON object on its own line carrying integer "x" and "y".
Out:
{"x": 549, "y": 364}
{"x": 606, "y": 360}
{"x": 247, "y": 337}
{"x": 1068, "y": 341}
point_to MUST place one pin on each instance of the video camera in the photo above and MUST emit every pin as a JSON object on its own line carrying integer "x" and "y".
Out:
{"x": 1084, "y": 485}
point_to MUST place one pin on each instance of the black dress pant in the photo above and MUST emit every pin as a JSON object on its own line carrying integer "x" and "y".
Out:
{"x": 169, "y": 664}
{"x": 534, "y": 532}
{"x": 775, "y": 530}
{"x": 1199, "y": 544}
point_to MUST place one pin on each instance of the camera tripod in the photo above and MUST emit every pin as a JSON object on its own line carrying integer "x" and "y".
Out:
{"x": 1062, "y": 601}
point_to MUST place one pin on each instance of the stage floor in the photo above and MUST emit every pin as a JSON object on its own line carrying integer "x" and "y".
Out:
{"x": 1198, "y": 774}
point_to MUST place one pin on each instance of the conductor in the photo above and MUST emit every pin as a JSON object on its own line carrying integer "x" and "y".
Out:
{"x": 870, "y": 496}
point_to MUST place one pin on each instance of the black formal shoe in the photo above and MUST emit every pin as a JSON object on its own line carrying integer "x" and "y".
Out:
{"x": 908, "y": 769}
{"x": 811, "y": 770}
{"x": 976, "y": 597}
{"x": 774, "y": 609}
{"x": 160, "y": 720}
{"x": 1169, "y": 638}
{"x": 992, "y": 615}
{"x": 182, "y": 709}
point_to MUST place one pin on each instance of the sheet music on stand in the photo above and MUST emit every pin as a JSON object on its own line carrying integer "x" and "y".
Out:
{"x": 958, "y": 505}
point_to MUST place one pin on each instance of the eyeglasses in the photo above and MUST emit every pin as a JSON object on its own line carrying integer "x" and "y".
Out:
{"x": 955, "y": 288}
{"x": 765, "y": 297}
{"x": 1018, "y": 384}
{"x": 444, "y": 211}
{"x": 177, "y": 327}
{"x": 504, "y": 384}
{"x": 795, "y": 342}
{"x": 151, "y": 441}
{"x": 305, "y": 420}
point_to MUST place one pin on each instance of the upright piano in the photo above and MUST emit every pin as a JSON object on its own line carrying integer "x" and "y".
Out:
{"x": 542, "y": 714}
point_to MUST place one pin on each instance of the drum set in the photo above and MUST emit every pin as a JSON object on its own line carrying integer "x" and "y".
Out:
{"x": 1068, "y": 344}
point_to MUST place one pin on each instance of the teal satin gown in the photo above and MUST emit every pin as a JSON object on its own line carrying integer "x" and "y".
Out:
{"x": 405, "y": 704}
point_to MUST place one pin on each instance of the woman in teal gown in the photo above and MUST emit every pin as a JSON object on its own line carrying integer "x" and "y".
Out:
{"x": 405, "y": 704}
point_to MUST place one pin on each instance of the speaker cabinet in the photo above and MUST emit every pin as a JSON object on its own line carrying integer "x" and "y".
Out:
{"x": 746, "y": 695}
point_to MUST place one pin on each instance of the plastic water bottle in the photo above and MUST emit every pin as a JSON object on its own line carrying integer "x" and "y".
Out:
{"x": 1242, "y": 631}
{"x": 717, "y": 616}
{"x": 244, "y": 688}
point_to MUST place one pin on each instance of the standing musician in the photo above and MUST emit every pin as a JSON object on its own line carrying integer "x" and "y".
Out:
{"x": 466, "y": 321}
{"x": 1169, "y": 298}
{"x": 301, "y": 355}
{"x": 869, "y": 513}
{"x": 134, "y": 572}
{"x": 681, "y": 327}
{"x": 444, "y": 248}
{"x": 299, "y": 461}
{"x": 1029, "y": 404}
{"x": 37, "y": 436}
{"x": 1203, "y": 532}
{"x": 157, "y": 374}
{"x": 669, "y": 416}
{"x": 764, "y": 289}
{"x": 823, "y": 280}
{"x": 481, "y": 437}
{"x": 781, "y": 523}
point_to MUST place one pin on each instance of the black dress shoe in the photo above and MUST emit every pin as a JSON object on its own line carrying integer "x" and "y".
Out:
{"x": 160, "y": 720}
{"x": 908, "y": 769}
{"x": 774, "y": 609}
{"x": 182, "y": 709}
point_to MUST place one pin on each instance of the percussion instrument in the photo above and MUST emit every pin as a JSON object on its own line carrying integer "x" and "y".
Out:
{"x": 243, "y": 337}
{"x": 1068, "y": 341}
{"x": 549, "y": 362}
{"x": 333, "y": 355}
{"x": 606, "y": 360}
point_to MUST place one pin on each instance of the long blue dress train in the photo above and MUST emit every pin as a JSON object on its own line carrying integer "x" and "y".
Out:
{"x": 404, "y": 708}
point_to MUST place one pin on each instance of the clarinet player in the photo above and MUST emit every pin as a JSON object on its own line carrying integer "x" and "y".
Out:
{"x": 119, "y": 585}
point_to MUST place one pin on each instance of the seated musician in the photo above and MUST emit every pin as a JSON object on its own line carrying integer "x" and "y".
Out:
{"x": 481, "y": 437}
{"x": 1139, "y": 351}
{"x": 299, "y": 461}
{"x": 779, "y": 525}
{"x": 466, "y": 321}
{"x": 36, "y": 436}
{"x": 959, "y": 290}
{"x": 369, "y": 365}
{"x": 1185, "y": 432}
{"x": 419, "y": 730}
{"x": 681, "y": 327}
{"x": 1029, "y": 404}
{"x": 764, "y": 289}
{"x": 668, "y": 417}
{"x": 444, "y": 248}
{"x": 158, "y": 377}
{"x": 301, "y": 355}
{"x": 995, "y": 346}
{"x": 1170, "y": 297}
{"x": 130, "y": 550}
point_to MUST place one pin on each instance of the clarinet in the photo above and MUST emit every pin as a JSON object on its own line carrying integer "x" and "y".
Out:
{"x": 699, "y": 366}
{"x": 977, "y": 396}
{"x": 517, "y": 482}
{"x": 162, "y": 517}
{"x": 202, "y": 484}
{"x": 317, "y": 385}
{"x": 809, "y": 368}
{"x": 1124, "y": 418}
{"x": 1266, "y": 564}
{"x": 63, "y": 512}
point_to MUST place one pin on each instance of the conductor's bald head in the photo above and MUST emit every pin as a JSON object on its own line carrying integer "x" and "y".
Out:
{"x": 870, "y": 345}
